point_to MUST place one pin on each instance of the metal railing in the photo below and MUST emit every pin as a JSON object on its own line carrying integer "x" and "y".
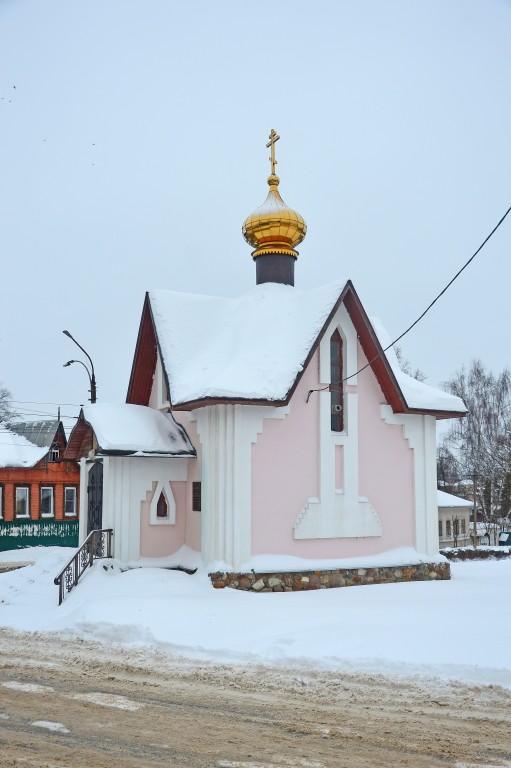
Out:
{"x": 98, "y": 544}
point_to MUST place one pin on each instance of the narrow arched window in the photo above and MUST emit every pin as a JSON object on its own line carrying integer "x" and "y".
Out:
{"x": 162, "y": 509}
{"x": 336, "y": 396}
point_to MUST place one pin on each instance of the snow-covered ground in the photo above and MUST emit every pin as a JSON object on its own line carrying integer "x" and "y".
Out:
{"x": 458, "y": 629}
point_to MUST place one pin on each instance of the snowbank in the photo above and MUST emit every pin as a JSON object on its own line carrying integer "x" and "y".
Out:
{"x": 413, "y": 628}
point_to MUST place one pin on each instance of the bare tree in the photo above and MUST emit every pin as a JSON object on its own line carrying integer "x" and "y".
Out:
{"x": 478, "y": 447}
{"x": 7, "y": 411}
{"x": 407, "y": 367}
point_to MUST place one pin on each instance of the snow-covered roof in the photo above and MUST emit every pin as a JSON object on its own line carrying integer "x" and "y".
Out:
{"x": 448, "y": 500}
{"x": 251, "y": 347}
{"x": 136, "y": 429}
{"x": 254, "y": 347}
{"x": 416, "y": 393}
{"x": 40, "y": 433}
{"x": 17, "y": 451}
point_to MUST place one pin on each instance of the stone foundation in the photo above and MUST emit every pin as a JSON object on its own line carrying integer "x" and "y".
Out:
{"x": 297, "y": 581}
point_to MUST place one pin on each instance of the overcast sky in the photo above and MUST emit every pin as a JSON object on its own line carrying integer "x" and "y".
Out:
{"x": 133, "y": 147}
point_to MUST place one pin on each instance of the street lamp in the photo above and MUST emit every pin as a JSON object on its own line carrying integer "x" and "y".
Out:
{"x": 92, "y": 378}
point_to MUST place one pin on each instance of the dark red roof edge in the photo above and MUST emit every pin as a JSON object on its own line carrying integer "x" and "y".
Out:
{"x": 144, "y": 360}
{"x": 79, "y": 431}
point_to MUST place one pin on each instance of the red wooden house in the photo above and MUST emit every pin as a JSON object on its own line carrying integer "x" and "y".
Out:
{"x": 39, "y": 489}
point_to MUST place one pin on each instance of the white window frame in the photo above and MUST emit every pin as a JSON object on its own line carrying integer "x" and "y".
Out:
{"x": 75, "y": 501}
{"x": 1, "y": 502}
{"x": 22, "y": 488}
{"x": 170, "y": 519}
{"x": 52, "y": 501}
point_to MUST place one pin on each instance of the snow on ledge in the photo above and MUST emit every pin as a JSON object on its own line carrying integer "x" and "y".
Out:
{"x": 289, "y": 563}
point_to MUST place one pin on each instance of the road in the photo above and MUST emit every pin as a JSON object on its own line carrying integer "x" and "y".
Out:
{"x": 67, "y": 702}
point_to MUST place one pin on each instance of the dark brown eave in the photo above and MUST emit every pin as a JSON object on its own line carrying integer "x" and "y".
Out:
{"x": 81, "y": 434}
{"x": 190, "y": 405}
{"x": 374, "y": 352}
{"x": 145, "y": 454}
{"x": 144, "y": 360}
{"x": 438, "y": 414}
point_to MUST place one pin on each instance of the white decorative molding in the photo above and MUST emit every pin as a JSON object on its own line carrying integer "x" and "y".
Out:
{"x": 159, "y": 398}
{"x": 339, "y": 512}
{"x": 344, "y": 520}
{"x": 226, "y": 433}
{"x": 420, "y": 433}
{"x": 170, "y": 519}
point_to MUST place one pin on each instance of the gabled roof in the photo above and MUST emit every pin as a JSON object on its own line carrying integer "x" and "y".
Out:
{"x": 40, "y": 433}
{"x": 448, "y": 500}
{"x": 254, "y": 349}
{"x": 122, "y": 429}
{"x": 24, "y": 444}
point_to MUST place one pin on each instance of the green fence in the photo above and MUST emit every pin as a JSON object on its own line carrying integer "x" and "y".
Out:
{"x": 38, "y": 533}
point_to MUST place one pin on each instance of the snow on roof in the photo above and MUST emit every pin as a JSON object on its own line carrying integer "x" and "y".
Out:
{"x": 249, "y": 347}
{"x": 254, "y": 346}
{"x": 416, "y": 393}
{"x": 448, "y": 500}
{"x": 40, "y": 433}
{"x": 121, "y": 427}
{"x": 17, "y": 451}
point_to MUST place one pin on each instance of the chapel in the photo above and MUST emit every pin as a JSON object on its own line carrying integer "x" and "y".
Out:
{"x": 267, "y": 430}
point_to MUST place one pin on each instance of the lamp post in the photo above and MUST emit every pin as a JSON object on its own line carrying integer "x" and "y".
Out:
{"x": 92, "y": 377}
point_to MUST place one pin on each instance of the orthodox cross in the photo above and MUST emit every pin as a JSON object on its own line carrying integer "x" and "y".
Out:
{"x": 274, "y": 137}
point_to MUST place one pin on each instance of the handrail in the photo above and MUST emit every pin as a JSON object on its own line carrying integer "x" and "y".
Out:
{"x": 98, "y": 544}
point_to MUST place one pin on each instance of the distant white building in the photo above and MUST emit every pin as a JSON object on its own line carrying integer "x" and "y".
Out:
{"x": 453, "y": 520}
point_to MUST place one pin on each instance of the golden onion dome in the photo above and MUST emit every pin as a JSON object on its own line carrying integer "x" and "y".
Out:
{"x": 273, "y": 227}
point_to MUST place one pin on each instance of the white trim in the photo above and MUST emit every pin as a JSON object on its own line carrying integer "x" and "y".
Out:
{"x": 71, "y": 488}
{"x": 158, "y": 397}
{"x": 170, "y": 519}
{"x": 22, "y": 488}
{"x": 47, "y": 515}
{"x": 339, "y": 512}
{"x": 82, "y": 501}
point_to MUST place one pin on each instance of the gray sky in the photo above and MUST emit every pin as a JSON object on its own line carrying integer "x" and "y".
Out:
{"x": 133, "y": 147}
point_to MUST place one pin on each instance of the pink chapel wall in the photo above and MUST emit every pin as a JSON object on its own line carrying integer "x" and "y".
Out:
{"x": 285, "y": 473}
{"x": 163, "y": 539}
{"x": 386, "y": 466}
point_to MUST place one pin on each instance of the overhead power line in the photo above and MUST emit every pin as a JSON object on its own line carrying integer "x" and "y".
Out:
{"x": 434, "y": 300}
{"x": 38, "y": 402}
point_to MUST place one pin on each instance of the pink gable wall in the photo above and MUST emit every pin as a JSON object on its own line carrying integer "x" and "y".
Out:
{"x": 285, "y": 473}
{"x": 385, "y": 465}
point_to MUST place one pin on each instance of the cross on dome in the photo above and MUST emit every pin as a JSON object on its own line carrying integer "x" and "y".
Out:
{"x": 274, "y": 137}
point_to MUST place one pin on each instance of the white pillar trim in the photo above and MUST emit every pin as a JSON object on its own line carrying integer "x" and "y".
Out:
{"x": 226, "y": 433}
